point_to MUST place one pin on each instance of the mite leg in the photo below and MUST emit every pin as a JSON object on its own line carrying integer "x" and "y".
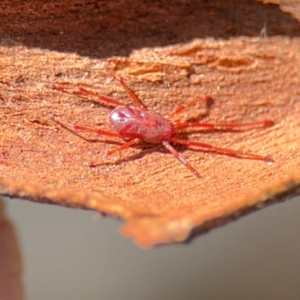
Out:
{"x": 176, "y": 111}
{"x": 226, "y": 151}
{"x": 84, "y": 128}
{"x": 124, "y": 146}
{"x": 120, "y": 148}
{"x": 108, "y": 100}
{"x": 98, "y": 131}
{"x": 82, "y": 91}
{"x": 226, "y": 126}
{"x": 181, "y": 108}
{"x": 180, "y": 158}
{"x": 130, "y": 93}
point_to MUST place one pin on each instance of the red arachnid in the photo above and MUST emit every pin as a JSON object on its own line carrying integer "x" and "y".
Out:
{"x": 136, "y": 124}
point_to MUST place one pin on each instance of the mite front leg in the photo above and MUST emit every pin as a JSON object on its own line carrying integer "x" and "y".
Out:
{"x": 130, "y": 93}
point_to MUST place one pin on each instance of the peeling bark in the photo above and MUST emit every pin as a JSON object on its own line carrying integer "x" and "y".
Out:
{"x": 249, "y": 78}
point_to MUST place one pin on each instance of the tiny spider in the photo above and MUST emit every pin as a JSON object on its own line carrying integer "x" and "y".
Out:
{"x": 135, "y": 124}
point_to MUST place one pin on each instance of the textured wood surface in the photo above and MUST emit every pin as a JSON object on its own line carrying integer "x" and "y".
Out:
{"x": 249, "y": 78}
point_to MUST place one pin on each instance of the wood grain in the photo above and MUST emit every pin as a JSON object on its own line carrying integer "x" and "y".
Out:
{"x": 249, "y": 78}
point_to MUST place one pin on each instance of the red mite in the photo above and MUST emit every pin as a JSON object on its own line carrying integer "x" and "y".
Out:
{"x": 136, "y": 124}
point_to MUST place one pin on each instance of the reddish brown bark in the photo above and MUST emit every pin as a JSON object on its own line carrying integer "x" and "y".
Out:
{"x": 249, "y": 78}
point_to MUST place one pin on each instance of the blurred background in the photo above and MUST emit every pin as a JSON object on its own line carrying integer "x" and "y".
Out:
{"x": 69, "y": 255}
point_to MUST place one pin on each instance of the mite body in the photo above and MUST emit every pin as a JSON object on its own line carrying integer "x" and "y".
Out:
{"x": 136, "y": 124}
{"x": 149, "y": 126}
